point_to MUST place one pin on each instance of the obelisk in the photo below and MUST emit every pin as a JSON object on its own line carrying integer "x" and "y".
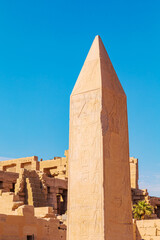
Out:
{"x": 99, "y": 197}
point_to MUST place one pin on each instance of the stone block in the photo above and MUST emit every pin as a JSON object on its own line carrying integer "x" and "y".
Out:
{"x": 151, "y": 231}
{"x": 140, "y": 223}
{"x": 25, "y": 210}
{"x": 142, "y": 231}
{"x": 152, "y": 238}
{"x": 158, "y": 232}
{"x": 157, "y": 222}
{"x": 150, "y": 223}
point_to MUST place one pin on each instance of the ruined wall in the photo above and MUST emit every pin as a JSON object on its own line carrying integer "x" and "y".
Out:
{"x": 139, "y": 195}
{"x": 7, "y": 181}
{"x": 25, "y": 225}
{"x": 148, "y": 229}
{"x": 56, "y": 193}
{"x": 14, "y": 165}
{"x": 9, "y": 202}
{"x": 33, "y": 188}
{"x": 155, "y": 202}
{"x": 57, "y": 167}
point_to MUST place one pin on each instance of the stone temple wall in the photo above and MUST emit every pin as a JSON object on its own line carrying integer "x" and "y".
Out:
{"x": 8, "y": 181}
{"x": 25, "y": 226}
{"x": 147, "y": 229}
{"x": 14, "y": 165}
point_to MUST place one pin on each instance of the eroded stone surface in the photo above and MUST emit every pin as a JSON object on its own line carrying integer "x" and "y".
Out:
{"x": 99, "y": 203}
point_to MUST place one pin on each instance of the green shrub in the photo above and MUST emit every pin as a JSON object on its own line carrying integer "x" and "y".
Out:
{"x": 142, "y": 209}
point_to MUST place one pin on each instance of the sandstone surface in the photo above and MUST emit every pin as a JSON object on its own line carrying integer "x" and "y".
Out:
{"x": 99, "y": 204}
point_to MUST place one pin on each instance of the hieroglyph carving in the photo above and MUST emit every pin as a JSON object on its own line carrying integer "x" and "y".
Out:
{"x": 86, "y": 126}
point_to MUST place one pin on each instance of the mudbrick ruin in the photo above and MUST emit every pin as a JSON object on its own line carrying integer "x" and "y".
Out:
{"x": 89, "y": 193}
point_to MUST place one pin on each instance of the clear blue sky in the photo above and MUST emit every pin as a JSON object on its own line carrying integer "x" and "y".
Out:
{"x": 43, "y": 45}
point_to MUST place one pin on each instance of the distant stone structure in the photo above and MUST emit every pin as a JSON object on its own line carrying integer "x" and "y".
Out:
{"x": 99, "y": 204}
{"x": 36, "y": 183}
{"x": 134, "y": 176}
{"x": 32, "y": 196}
{"x": 141, "y": 194}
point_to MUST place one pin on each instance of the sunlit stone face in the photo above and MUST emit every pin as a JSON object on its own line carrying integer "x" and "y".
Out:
{"x": 99, "y": 204}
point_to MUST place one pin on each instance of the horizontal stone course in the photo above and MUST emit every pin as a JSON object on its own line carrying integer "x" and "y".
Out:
{"x": 148, "y": 229}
